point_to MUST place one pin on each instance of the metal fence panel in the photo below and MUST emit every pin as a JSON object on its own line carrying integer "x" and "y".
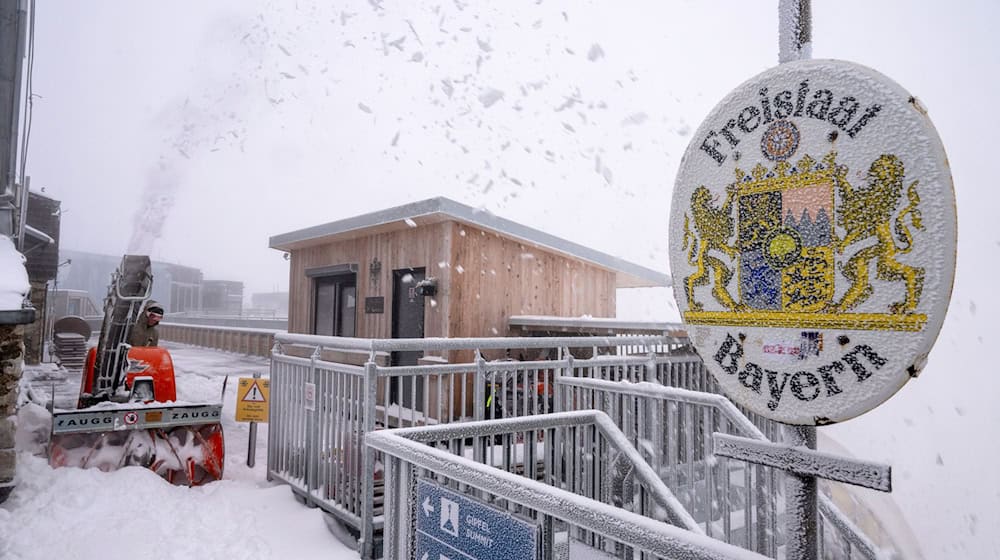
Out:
{"x": 733, "y": 501}
{"x": 287, "y": 438}
{"x": 320, "y": 452}
{"x": 572, "y": 524}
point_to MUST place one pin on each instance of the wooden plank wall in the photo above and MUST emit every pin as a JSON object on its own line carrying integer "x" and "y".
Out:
{"x": 424, "y": 246}
{"x": 501, "y": 277}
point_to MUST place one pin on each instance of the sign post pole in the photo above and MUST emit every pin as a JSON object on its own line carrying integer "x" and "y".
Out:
{"x": 800, "y": 501}
{"x": 252, "y": 443}
{"x": 804, "y": 267}
{"x": 803, "y": 465}
{"x": 794, "y": 30}
{"x": 795, "y": 43}
{"x": 252, "y": 397}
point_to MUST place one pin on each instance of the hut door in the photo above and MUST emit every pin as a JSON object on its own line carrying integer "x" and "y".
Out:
{"x": 407, "y": 322}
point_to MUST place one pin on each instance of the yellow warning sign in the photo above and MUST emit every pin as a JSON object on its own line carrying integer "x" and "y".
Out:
{"x": 252, "y": 395}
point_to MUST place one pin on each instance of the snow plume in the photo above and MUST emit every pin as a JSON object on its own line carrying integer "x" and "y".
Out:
{"x": 157, "y": 200}
{"x": 209, "y": 122}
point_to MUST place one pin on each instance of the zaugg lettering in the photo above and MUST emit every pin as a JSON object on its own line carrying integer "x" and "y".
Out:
{"x": 196, "y": 414}
{"x": 93, "y": 421}
{"x": 804, "y": 385}
{"x": 819, "y": 105}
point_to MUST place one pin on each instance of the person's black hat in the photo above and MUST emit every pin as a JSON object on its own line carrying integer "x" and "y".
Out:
{"x": 155, "y": 309}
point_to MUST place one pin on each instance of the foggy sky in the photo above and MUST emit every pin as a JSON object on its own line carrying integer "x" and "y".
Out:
{"x": 551, "y": 114}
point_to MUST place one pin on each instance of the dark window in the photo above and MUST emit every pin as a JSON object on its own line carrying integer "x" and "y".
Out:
{"x": 335, "y": 305}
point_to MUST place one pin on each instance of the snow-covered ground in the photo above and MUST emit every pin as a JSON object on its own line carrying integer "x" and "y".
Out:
{"x": 67, "y": 513}
{"x": 129, "y": 514}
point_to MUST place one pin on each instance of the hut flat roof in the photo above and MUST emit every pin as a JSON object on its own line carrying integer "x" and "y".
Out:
{"x": 434, "y": 210}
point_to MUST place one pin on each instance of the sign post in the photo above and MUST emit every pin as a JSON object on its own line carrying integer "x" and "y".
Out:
{"x": 812, "y": 241}
{"x": 252, "y": 395}
{"x": 454, "y": 526}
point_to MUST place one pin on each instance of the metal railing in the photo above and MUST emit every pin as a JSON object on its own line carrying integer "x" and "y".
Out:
{"x": 453, "y": 455}
{"x": 329, "y": 393}
{"x": 256, "y": 342}
{"x": 315, "y": 445}
{"x": 732, "y": 501}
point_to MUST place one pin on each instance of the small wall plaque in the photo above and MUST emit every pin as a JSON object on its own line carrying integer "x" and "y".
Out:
{"x": 375, "y": 304}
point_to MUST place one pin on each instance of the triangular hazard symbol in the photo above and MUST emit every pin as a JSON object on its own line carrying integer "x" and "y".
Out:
{"x": 254, "y": 394}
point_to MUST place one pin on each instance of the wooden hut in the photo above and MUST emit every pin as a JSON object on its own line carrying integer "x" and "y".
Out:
{"x": 438, "y": 268}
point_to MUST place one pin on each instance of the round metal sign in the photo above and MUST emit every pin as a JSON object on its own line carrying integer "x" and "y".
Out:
{"x": 813, "y": 241}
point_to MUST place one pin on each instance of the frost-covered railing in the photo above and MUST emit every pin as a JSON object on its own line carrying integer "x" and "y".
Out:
{"x": 256, "y": 342}
{"x": 327, "y": 393}
{"x": 526, "y": 483}
{"x": 730, "y": 500}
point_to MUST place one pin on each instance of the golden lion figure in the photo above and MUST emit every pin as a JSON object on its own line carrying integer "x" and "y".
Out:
{"x": 714, "y": 227}
{"x": 866, "y": 213}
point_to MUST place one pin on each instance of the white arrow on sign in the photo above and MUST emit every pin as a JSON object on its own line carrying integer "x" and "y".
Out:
{"x": 428, "y": 508}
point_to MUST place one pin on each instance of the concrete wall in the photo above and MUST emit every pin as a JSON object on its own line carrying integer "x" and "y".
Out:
{"x": 11, "y": 367}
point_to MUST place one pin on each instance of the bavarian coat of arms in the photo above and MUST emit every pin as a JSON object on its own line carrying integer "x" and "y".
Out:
{"x": 781, "y": 232}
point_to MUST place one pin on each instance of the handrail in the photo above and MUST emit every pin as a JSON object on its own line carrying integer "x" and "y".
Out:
{"x": 733, "y": 414}
{"x": 647, "y": 389}
{"x": 636, "y": 530}
{"x": 222, "y": 328}
{"x": 494, "y": 343}
{"x": 660, "y": 492}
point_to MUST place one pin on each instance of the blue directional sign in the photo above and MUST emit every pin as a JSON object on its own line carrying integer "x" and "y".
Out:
{"x": 453, "y": 526}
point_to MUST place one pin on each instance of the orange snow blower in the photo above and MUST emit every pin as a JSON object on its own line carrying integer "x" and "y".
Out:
{"x": 127, "y": 412}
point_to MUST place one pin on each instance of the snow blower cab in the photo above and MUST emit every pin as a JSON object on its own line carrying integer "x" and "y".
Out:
{"x": 127, "y": 414}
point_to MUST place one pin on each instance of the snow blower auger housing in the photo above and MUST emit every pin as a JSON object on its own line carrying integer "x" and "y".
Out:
{"x": 126, "y": 414}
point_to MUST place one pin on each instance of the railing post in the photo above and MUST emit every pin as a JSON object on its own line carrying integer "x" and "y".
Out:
{"x": 366, "y": 544}
{"x": 479, "y": 403}
{"x": 557, "y": 390}
{"x": 393, "y": 528}
{"x": 312, "y": 441}
{"x": 275, "y": 413}
{"x": 651, "y": 367}
{"x": 479, "y": 388}
{"x": 548, "y": 537}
